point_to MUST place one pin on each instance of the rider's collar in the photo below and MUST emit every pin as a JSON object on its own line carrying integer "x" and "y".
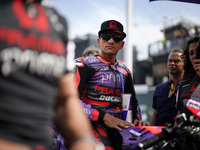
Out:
{"x": 107, "y": 62}
{"x": 170, "y": 82}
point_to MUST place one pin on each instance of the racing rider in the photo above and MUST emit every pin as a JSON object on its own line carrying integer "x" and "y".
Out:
{"x": 101, "y": 79}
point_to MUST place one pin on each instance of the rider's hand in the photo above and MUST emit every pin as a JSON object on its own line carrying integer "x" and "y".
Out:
{"x": 140, "y": 123}
{"x": 114, "y": 122}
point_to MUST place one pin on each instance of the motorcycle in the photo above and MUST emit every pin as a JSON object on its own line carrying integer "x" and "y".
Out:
{"x": 132, "y": 136}
{"x": 185, "y": 136}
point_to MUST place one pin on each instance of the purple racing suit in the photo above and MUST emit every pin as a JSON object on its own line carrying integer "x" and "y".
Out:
{"x": 100, "y": 85}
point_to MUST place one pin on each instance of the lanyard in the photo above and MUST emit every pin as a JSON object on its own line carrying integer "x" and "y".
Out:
{"x": 122, "y": 81}
{"x": 172, "y": 90}
{"x": 121, "y": 78}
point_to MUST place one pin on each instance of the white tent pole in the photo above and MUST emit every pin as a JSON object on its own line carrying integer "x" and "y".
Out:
{"x": 128, "y": 51}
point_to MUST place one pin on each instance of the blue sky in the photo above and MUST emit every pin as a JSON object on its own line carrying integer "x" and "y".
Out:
{"x": 85, "y": 16}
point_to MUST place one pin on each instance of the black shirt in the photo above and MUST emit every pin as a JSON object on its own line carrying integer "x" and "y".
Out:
{"x": 189, "y": 98}
{"x": 32, "y": 58}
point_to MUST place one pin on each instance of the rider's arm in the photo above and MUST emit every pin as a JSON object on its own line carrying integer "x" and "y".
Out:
{"x": 136, "y": 112}
{"x": 93, "y": 114}
{"x": 83, "y": 74}
{"x": 107, "y": 119}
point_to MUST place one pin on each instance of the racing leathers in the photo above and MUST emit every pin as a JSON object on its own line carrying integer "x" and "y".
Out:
{"x": 101, "y": 84}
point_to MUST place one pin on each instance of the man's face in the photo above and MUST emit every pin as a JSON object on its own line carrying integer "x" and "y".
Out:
{"x": 175, "y": 63}
{"x": 110, "y": 45}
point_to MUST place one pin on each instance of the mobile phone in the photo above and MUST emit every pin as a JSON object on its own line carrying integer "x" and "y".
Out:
{"x": 198, "y": 50}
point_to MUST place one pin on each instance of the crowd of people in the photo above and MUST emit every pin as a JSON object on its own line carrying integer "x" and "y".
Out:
{"x": 184, "y": 96}
{"x": 39, "y": 92}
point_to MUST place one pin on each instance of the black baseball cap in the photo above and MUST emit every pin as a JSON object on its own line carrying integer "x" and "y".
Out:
{"x": 112, "y": 25}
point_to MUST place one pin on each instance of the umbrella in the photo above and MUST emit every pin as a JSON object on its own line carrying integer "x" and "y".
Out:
{"x": 188, "y": 1}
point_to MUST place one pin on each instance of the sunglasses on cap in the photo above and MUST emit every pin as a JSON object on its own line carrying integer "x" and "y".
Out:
{"x": 116, "y": 37}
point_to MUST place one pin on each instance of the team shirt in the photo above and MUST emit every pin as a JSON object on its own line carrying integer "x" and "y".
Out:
{"x": 32, "y": 58}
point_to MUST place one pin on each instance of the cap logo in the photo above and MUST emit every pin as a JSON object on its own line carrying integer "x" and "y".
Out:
{"x": 113, "y": 25}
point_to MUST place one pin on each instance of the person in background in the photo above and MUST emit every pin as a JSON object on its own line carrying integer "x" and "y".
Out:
{"x": 189, "y": 92}
{"x": 91, "y": 51}
{"x": 35, "y": 85}
{"x": 164, "y": 98}
{"x": 101, "y": 80}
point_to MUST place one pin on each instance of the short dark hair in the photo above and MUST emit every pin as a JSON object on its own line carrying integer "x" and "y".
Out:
{"x": 90, "y": 51}
{"x": 177, "y": 50}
